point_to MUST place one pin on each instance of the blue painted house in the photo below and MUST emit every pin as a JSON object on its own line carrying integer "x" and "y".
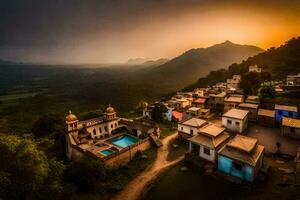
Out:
{"x": 241, "y": 158}
{"x": 285, "y": 111}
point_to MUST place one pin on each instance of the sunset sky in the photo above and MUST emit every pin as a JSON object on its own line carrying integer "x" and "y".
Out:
{"x": 109, "y": 31}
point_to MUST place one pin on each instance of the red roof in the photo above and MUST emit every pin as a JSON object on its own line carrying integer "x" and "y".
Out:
{"x": 177, "y": 115}
{"x": 200, "y": 100}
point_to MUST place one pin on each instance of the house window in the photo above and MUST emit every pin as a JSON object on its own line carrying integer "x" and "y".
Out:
{"x": 115, "y": 125}
{"x": 100, "y": 130}
{"x": 290, "y": 114}
{"x": 191, "y": 131}
{"x": 229, "y": 122}
{"x": 105, "y": 128}
{"x": 182, "y": 128}
{"x": 292, "y": 129}
{"x": 112, "y": 126}
{"x": 94, "y": 131}
{"x": 206, "y": 151}
{"x": 237, "y": 166}
{"x": 237, "y": 123}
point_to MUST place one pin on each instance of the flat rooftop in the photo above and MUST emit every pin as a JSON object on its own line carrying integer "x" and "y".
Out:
{"x": 248, "y": 105}
{"x": 212, "y": 130}
{"x": 243, "y": 143}
{"x": 236, "y": 113}
{"x": 291, "y": 122}
{"x": 287, "y": 108}
{"x": 265, "y": 112}
{"x": 195, "y": 122}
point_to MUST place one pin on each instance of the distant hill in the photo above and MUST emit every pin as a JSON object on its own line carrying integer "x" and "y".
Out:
{"x": 6, "y": 62}
{"x": 188, "y": 67}
{"x": 277, "y": 62}
{"x": 137, "y": 61}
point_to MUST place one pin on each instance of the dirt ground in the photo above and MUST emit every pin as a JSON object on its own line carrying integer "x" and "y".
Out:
{"x": 134, "y": 189}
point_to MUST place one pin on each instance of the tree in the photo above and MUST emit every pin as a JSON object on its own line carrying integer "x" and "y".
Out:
{"x": 23, "y": 168}
{"x": 44, "y": 126}
{"x": 158, "y": 111}
{"x": 85, "y": 173}
{"x": 266, "y": 90}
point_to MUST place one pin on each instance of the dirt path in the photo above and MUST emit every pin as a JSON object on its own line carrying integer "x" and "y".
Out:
{"x": 134, "y": 189}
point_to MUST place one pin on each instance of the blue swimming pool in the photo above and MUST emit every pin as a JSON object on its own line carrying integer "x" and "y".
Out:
{"x": 106, "y": 152}
{"x": 124, "y": 141}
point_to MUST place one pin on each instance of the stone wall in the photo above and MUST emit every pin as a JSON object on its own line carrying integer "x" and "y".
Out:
{"x": 125, "y": 155}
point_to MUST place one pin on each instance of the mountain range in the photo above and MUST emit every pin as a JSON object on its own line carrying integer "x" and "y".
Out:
{"x": 277, "y": 62}
{"x": 188, "y": 67}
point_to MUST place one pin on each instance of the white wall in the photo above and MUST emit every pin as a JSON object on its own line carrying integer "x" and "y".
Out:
{"x": 187, "y": 129}
{"x": 233, "y": 127}
{"x": 113, "y": 123}
{"x": 210, "y": 157}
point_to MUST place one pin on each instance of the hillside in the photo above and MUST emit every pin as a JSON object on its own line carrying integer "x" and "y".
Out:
{"x": 188, "y": 67}
{"x": 277, "y": 62}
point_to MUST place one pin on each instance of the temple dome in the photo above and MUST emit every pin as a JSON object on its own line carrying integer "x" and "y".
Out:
{"x": 110, "y": 109}
{"x": 71, "y": 117}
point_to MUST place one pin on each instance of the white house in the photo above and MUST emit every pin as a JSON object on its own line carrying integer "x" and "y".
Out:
{"x": 254, "y": 68}
{"x": 234, "y": 82}
{"x": 235, "y": 120}
{"x": 189, "y": 128}
{"x": 208, "y": 141}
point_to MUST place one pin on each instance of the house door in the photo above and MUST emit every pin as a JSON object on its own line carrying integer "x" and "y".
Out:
{"x": 237, "y": 170}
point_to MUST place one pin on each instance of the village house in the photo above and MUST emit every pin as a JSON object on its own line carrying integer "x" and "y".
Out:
{"x": 290, "y": 127}
{"x": 235, "y": 120}
{"x": 109, "y": 138}
{"x": 216, "y": 102}
{"x": 254, "y": 68}
{"x": 232, "y": 101}
{"x": 293, "y": 80}
{"x": 241, "y": 158}
{"x": 200, "y": 92}
{"x": 234, "y": 82}
{"x": 199, "y": 102}
{"x": 209, "y": 140}
{"x": 222, "y": 87}
{"x": 189, "y": 128}
{"x": 266, "y": 117}
{"x": 177, "y": 116}
{"x": 285, "y": 111}
{"x": 253, "y": 100}
{"x": 179, "y": 104}
{"x": 147, "y": 110}
{"x": 192, "y": 112}
{"x": 252, "y": 108}
{"x": 169, "y": 113}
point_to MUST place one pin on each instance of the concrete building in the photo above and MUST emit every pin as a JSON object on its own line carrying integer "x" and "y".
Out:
{"x": 241, "y": 158}
{"x": 209, "y": 140}
{"x": 232, "y": 101}
{"x": 108, "y": 138}
{"x": 234, "y": 82}
{"x": 189, "y": 128}
{"x": 235, "y": 120}
{"x": 266, "y": 117}
{"x": 252, "y": 108}
{"x": 177, "y": 116}
{"x": 290, "y": 127}
{"x": 285, "y": 111}
{"x": 293, "y": 80}
{"x": 216, "y": 103}
{"x": 192, "y": 112}
{"x": 199, "y": 102}
{"x": 253, "y": 100}
{"x": 254, "y": 68}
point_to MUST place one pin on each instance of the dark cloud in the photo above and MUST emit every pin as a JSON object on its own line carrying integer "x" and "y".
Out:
{"x": 66, "y": 30}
